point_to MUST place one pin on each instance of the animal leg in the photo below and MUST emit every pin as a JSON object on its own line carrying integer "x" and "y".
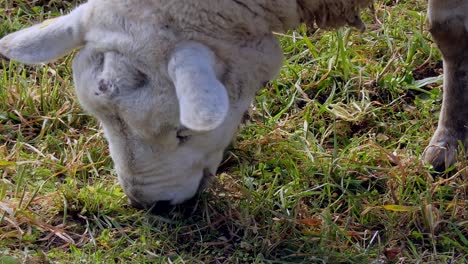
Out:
{"x": 448, "y": 24}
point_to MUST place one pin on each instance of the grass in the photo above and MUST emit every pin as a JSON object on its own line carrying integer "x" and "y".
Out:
{"x": 327, "y": 169}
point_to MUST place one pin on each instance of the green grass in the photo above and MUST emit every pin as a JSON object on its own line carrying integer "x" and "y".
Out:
{"x": 327, "y": 169}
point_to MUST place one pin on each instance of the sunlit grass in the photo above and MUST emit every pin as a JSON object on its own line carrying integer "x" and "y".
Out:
{"x": 326, "y": 170}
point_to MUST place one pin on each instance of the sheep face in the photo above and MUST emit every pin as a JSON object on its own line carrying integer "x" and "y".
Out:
{"x": 156, "y": 156}
{"x": 169, "y": 102}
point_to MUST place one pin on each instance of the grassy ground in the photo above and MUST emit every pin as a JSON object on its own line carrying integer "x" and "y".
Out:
{"x": 327, "y": 170}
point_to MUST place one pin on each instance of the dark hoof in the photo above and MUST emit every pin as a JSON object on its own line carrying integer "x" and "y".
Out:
{"x": 440, "y": 157}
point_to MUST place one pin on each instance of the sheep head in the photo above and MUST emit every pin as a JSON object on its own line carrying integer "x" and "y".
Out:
{"x": 169, "y": 99}
{"x": 171, "y": 80}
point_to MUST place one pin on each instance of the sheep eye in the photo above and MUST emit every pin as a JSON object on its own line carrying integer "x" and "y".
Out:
{"x": 183, "y": 135}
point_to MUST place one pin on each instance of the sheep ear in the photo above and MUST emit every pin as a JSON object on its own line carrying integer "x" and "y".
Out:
{"x": 203, "y": 99}
{"x": 46, "y": 41}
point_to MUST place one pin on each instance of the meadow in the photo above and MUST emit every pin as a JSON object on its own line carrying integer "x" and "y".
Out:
{"x": 326, "y": 168}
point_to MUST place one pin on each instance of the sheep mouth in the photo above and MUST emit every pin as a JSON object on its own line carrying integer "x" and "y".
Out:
{"x": 167, "y": 209}
{"x": 186, "y": 208}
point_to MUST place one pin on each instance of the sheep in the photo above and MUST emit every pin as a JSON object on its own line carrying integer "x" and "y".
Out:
{"x": 170, "y": 80}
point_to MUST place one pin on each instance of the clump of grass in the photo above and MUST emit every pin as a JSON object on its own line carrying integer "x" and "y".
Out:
{"x": 326, "y": 170}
